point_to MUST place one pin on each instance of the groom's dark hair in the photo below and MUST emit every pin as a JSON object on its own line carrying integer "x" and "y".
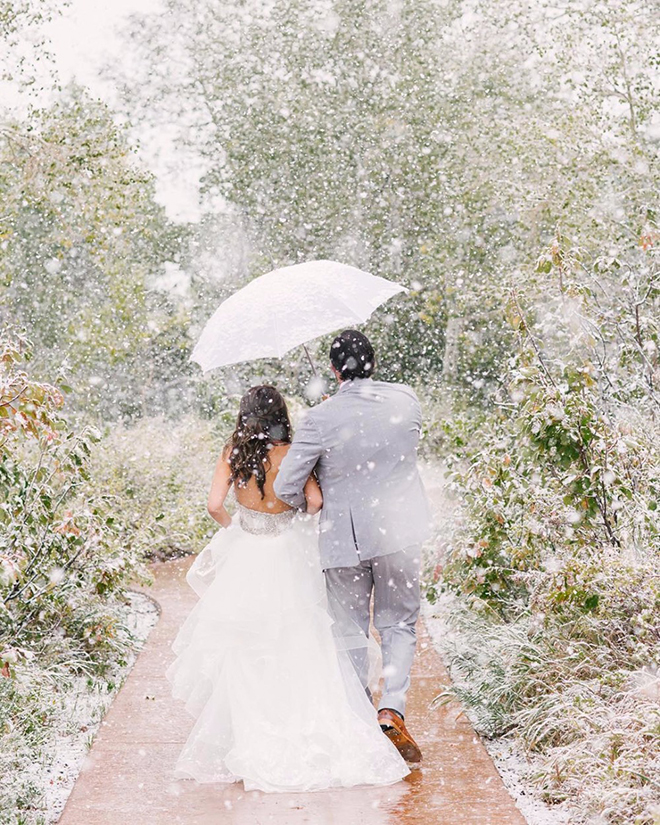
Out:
{"x": 352, "y": 355}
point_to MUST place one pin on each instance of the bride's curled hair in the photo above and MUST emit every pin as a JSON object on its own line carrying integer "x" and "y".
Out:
{"x": 262, "y": 420}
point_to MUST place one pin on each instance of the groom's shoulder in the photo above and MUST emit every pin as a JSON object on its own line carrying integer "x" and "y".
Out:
{"x": 372, "y": 390}
{"x": 328, "y": 412}
{"x": 394, "y": 388}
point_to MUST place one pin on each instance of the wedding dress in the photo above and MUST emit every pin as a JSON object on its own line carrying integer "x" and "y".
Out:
{"x": 277, "y": 704}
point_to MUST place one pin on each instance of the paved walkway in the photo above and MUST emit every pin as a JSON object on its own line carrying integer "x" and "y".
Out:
{"x": 127, "y": 778}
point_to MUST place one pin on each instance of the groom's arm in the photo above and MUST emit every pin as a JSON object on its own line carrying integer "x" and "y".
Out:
{"x": 298, "y": 464}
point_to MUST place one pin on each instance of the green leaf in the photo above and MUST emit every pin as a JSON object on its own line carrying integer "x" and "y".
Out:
{"x": 591, "y": 602}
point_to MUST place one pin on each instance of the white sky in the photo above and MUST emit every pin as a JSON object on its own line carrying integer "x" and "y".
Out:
{"x": 84, "y": 36}
{"x": 84, "y": 39}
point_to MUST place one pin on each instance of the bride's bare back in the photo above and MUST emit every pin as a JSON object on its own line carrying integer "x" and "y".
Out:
{"x": 250, "y": 495}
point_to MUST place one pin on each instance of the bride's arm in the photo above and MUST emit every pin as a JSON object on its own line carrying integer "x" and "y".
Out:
{"x": 313, "y": 495}
{"x": 219, "y": 489}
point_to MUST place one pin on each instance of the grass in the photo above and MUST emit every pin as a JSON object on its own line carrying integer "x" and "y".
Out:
{"x": 588, "y": 723}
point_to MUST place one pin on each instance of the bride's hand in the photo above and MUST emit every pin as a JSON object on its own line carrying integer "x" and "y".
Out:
{"x": 313, "y": 496}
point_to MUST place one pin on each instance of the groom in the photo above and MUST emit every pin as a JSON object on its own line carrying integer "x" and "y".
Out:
{"x": 362, "y": 445}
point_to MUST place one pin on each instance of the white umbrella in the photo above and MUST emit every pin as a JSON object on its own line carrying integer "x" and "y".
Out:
{"x": 288, "y": 307}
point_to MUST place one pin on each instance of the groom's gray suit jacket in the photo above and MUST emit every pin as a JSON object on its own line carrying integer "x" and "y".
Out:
{"x": 362, "y": 443}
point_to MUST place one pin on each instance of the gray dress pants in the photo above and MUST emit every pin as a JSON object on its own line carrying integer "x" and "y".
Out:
{"x": 394, "y": 582}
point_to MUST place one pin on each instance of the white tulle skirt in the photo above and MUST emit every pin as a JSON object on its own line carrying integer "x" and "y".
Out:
{"x": 277, "y": 705}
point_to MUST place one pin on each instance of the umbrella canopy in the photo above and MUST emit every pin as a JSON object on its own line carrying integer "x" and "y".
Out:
{"x": 289, "y": 307}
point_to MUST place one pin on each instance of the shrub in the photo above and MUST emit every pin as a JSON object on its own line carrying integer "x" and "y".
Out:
{"x": 158, "y": 473}
{"x": 66, "y": 558}
{"x": 557, "y": 558}
{"x": 59, "y": 555}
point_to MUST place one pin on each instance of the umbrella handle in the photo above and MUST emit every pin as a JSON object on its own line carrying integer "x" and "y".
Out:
{"x": 309, "y": 358}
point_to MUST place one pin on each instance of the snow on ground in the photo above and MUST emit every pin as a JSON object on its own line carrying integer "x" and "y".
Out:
{"x": 85, "y": 710}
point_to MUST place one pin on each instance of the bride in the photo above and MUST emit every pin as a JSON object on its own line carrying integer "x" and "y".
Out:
{"x": 277, "y": 702}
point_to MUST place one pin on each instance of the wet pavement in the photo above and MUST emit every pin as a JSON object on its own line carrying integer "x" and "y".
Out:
{"x": 127, "y": 777}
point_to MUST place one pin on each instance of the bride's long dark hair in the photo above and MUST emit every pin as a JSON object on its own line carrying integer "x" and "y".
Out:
{"x": 262, "y": 420}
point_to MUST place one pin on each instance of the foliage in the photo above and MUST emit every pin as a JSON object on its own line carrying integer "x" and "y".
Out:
{"x": 438, "y": 144}
{"x": 19, "y": 14}
{"x": 158, "y": 472}
{"x": 570, "y": 460}
{"x": 559, "y": 550}
{"x": 81, "y": 243}
{"x": 23, "y": 46}
{"x": 60, "y": 557}
{"x": 66, "y": 556}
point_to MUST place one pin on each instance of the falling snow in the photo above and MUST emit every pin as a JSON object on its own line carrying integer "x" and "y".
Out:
{"x": 499, "y": 160}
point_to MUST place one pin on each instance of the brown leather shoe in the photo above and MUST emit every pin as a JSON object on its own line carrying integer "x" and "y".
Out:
{"x": 395, "y": 730}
